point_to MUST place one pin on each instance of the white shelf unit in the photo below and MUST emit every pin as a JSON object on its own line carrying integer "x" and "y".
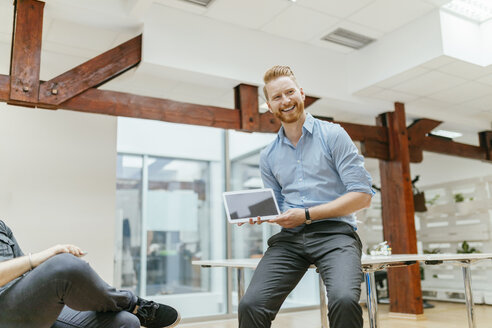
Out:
{"x": 445, "y": 225}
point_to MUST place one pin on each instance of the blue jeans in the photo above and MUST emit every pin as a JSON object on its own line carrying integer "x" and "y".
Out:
{"x": 64, "y": 292}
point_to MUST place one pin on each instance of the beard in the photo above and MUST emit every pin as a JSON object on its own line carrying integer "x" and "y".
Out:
{"x": 293, "y": 115}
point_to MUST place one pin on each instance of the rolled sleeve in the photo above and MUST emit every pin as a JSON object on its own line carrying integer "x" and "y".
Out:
{"x": 350, "y": 164}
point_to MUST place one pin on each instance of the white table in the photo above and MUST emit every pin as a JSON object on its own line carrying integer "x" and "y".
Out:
{"x": 371, "y": 264}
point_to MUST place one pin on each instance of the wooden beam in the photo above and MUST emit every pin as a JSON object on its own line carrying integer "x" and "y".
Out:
{"x": 485, "y": 138}
{"x": 246, "y": 101}
{"x": 420, "y": 128}
{"x": 269, "y": 123}
{"x": 398, "y": 214}
{"x": 374, "y": 149}
{"x": 309, "y": 100}
{"x": 92, "y": 73}
{"x": 361, "y": 132}
{"x": 449, "y": 147}
{"x": 417, "y": 131}
{"x": 26, "y": 52}
{"x": 128, "y": 105}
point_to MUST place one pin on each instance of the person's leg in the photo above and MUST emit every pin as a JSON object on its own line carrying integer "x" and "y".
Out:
{"x": 337, "y": 256}
{"x": 69, "y": 318}
{"x": 37, "y": 299}
{"x": 278, "y": 272}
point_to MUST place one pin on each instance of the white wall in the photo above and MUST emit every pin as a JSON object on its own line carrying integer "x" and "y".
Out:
{"x": 438, "y": 168}
{"x": 57, "y": 180}
{"x": 137, "y": 136}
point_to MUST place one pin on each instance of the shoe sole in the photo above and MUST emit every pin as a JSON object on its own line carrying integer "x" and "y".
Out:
{"x": 178, "y": 319}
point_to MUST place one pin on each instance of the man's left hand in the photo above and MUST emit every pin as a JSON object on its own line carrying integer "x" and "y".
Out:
{"x": 290, "y": 218}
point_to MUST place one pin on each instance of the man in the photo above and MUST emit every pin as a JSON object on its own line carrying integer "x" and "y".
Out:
{"x": 55, "y": 288}
{"x": 319, "y": 181}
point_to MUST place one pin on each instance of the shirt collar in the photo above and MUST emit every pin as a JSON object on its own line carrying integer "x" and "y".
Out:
{"x": 308, "y": 126}
{"x": 308, "y": 123}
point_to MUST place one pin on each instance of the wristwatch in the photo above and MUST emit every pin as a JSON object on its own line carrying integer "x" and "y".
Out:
{"x": 308, "y": 217}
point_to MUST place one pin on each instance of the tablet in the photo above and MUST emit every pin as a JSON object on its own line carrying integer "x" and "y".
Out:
{"x": 242, "y": 205}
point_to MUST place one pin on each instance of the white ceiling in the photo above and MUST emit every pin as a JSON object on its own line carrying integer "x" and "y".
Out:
{"x": 444, "y": 88}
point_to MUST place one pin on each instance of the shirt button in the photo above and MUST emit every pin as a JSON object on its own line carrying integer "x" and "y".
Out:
{"x": 300, "y": 179}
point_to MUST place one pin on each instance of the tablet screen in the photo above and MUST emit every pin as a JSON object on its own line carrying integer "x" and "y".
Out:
{"x": 250, "y": 204}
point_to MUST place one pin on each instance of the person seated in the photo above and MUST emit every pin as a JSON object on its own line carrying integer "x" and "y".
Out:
{"x": 55, "y": 288}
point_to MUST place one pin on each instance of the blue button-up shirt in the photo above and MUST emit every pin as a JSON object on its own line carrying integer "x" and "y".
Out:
{"x": 323, "y": 166}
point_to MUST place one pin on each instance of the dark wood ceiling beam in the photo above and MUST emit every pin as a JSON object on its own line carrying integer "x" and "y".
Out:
{"x": 246, "y": 101}
{"x": 309, "y": 100}
{"x": 420, "y": 128}
{"x": 269, "y": 123}
{"x": 26, "y": 52}
{"x": 417, "y": 131}
{"x": 485, "y": 139}
{"x": 128, "y": 105}
{"x": 92, "y": 73}
{"x": 449, "y": 147}
{"x": 361, "y": 132}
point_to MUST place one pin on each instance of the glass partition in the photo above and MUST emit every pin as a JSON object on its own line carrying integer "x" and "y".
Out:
{"x": 128, "y": 222}
{"x": 170, "y": 213}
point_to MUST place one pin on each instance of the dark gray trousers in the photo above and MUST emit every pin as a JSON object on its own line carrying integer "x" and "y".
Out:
{"x": 333, "y": 247}
{"x": 65, "y": 292}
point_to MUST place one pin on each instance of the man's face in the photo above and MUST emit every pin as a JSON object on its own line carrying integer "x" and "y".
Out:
{"x": 286, "y": 99}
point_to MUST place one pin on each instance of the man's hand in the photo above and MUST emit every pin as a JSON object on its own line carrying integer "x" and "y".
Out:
{"x": 251, "y": 221}
{"x": 290, "y": 218}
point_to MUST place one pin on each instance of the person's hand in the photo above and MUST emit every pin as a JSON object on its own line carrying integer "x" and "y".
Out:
{"x": 290, "y": 218}
{"x": 40, "y": 257}
{"x": 72, "y": 249}
{"x": 251, "y": 221}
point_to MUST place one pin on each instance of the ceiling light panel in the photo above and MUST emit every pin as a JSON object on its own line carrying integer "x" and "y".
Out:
{"x": 348, "y": 38}
{"x": 476, "y": 10}
{"x": 446, "y": 134}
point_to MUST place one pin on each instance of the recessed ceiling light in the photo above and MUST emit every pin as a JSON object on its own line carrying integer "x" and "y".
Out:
{"x": 348, "y": 38}
{"x": 476, "y": 10}
{"x": 446, "y": 134}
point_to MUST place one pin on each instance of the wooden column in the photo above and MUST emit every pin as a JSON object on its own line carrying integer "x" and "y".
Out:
{"x": 398, "y": 214}
{"x": 26, "y": 52}
{"x": 246, "y": 101}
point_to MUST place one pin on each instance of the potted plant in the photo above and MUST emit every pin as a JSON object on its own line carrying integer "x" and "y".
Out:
{"x": 463, "y": 206}
{"x": 466, "y": 249}
{"x": 418, "y": 197}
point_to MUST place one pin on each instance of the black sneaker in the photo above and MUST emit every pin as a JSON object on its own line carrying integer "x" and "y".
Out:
{"x": 155, "y": 315}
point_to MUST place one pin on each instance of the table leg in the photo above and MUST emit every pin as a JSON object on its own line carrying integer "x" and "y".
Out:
{"x": 372, "y": 303}
{"x": 322, "y": 303}
{"x": 468, "y": 295}
{"x": 240, "y": 285}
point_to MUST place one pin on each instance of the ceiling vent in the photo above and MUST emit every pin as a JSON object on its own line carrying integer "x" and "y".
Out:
{"x": 203, "y": 3}
{"x": 348, "y": 38}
